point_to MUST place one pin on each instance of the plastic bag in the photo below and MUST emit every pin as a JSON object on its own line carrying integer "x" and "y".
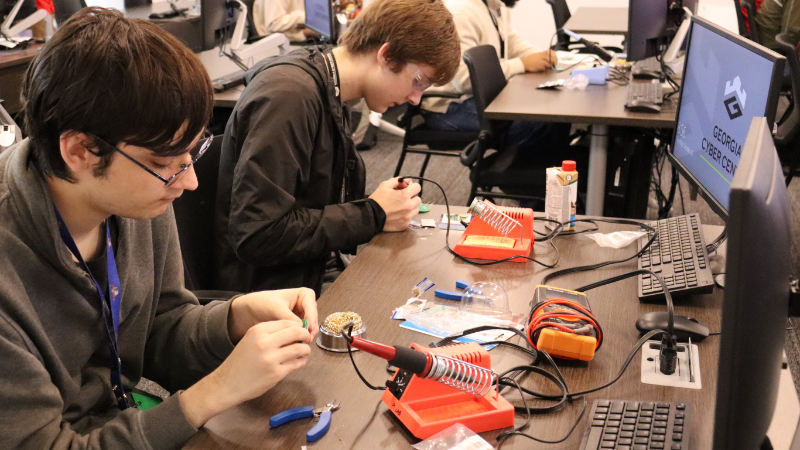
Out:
{"x": 617, "y": 239}
{"x": 448, "y": 321}
{"x": 579, "y": 82}
{"x": 457, "y": 437}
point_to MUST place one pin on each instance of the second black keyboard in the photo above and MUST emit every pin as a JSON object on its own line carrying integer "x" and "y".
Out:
{"x": 679, "y": 256}
{"x": 645, "y": 92}
{"x": 629, "y": 425}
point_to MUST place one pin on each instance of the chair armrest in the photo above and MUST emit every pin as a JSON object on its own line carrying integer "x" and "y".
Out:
{"x": 441, "y": 95}
{"x": 475, "y": 149}
{"x": 205, "y": 297}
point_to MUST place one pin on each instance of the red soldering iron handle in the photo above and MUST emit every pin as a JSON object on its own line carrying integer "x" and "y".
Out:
{"x": 374, "y": 348}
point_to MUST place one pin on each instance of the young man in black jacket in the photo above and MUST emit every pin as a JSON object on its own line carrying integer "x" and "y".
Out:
{"x": 291, "y": 185}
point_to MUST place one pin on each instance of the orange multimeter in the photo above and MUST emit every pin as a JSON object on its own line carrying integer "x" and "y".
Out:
{"x": 561, "y": 323}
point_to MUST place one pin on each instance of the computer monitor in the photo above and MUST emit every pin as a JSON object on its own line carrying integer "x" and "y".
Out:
{"x": 727, "y": 80}
{"x": 319, "y": 17}
{"x": 651, "y": 25}
{"x": 755, "y": 306}
{"x": 219, "y": 19}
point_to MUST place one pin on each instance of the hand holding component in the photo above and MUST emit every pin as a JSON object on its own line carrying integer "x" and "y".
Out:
{"x": 323, "y": 414}
{"x": 399, "y": 205}
{"x": 286, "y": 304}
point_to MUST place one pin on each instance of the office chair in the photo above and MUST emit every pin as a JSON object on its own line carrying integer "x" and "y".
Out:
{"x": 787, "y": 139}
{"x": 747, "y": 23}
{"x": 66, "y": 8}
{"x": 561, "y": 15}
{"x": 421, "y": 139}
{"x": 194, "y": 216}
{"x": 502, "y": 168}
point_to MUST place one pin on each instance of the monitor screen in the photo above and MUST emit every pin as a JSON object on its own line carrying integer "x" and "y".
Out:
{"x": 319, "y": 17}
{"x": 756, "y": 301}
{"x": 726, "y": 82}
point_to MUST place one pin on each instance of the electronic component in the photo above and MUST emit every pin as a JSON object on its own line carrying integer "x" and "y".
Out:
{"x": 561, "y": 323}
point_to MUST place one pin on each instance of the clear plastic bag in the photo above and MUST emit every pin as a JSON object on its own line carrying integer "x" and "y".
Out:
{"x": 617, "y": 239}
{"x": 579, "y": 82}
{"x": 450, "y": 321}
{"x": 457, "y": 437}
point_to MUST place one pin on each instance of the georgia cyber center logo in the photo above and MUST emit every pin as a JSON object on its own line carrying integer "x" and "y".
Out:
{"x": 735, "y": 103}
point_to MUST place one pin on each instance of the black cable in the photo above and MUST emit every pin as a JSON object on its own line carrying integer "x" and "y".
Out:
{"x": 578, "y": 269}
{"x": 470, "y": 260}
{"x": 667, "y": 295}
{"x": 347, "y": 332}
{"x": 712, "y": 247}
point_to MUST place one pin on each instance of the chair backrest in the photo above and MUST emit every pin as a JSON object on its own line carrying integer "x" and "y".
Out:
{"x": 66, "y": 8}
{"x": 750, "y": 8}
{"x": 486, "y": 76}
{"x": 561, "y": 15}
{"x": 788, "y": 130}
{"x": 194, "y": 215}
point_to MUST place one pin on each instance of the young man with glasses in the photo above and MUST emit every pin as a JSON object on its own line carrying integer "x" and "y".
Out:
{"x": 291, "y": 185}
{"x": 91, "y": 292}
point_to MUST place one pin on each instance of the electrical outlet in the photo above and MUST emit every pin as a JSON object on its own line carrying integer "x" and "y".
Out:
{"x": 686, "y": 375}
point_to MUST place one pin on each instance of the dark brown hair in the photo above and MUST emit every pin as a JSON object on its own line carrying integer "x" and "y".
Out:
{"x": 123, "y": 80}
{"x": 417, "y": 31}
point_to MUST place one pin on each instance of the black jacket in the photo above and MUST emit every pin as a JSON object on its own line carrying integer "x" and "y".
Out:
{"x": 291, "y": 184}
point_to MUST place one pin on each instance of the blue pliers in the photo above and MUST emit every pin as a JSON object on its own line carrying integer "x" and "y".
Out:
{"x": 319, "y": 430}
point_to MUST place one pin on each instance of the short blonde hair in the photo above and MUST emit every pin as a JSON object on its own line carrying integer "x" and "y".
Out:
{"x": 417, "y": 31}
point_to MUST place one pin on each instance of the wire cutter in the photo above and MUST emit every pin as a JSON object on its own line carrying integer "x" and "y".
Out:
{"x": 323, "y": 414}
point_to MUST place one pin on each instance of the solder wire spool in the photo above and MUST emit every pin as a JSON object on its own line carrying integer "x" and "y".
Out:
{"x": 330, "y": 332}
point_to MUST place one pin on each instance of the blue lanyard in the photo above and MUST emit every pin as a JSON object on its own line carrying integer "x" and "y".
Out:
{"x": 113, "y": 310}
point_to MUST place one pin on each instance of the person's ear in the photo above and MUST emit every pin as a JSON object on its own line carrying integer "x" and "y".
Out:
{"x": 76, "y": 150}
{"x": 383, "y": 57}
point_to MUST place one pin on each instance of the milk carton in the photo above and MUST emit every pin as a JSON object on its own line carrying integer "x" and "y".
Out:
{"x": 562, "y": 194}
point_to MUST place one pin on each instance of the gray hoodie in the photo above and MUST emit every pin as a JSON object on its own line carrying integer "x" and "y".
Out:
{"x": 55, "y": 389}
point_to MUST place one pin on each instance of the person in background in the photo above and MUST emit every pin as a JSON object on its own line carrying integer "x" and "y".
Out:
{"x": 291, "y": 185}
{"x": 775, "y": 17}
{"x": 487, "y": 22}
{"x": 282, "y": 16}
{"x": 91, "y": 292}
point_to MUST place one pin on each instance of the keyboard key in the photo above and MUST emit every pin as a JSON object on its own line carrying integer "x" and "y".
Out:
{"x": 609, "y": 437}
{"x": 676, "y": 447}
{"x": 626, "y": 434}
{"x": 646, "y": 414}
{"x": 657, "y": 438}
{"x": 641, "y": 440}
{"x": 642, "y": 433}
{"x": 628, "y": 427}
{"x": 601, "y": 410}
{"x": 607, "y": 444}
{"x": 603, "y": 403}
{"x": 623, "y": 447}
{"x": 625, "y": 442}
{"x": 631, "y": 414}
{"x": 661, "y": 417}
{"x": 645, "y": 419}
{"x": 599, "y": 417}
{"x": 677, "y": 437}
{"x": 657, "y": 445}
{"x": 662, "y": 405}
{"x": 643, "y": 426}
{"x": 660, "y": 424}
{"x": 639, "y": 447}
{"x": 632, "y": 406}
{"x": 615, "y": 417}
{"x": 629, "y": 421}
{"x": 678, "y": 429}
{"x": 613, "y": 423}
{"x": 593, "y": 441}
{"x": 659, "y": 430}
{"x": 617, "y": 407}
{"x": 678, "y": 422}
{"x": 680, "y": 415}
{"x": 598, "y": 423}
{"x": 612, "y": 430}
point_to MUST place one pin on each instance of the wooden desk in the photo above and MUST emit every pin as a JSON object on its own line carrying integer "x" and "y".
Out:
{"x": 598, "y": 21}
{"x": 13, "y": 64}
{"x": 599, "y": 106}
{"x": 380, "y": 279}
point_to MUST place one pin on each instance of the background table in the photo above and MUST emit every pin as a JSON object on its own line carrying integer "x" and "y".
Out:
{"x": 13, "y": 64}
{"x": 598, "y": 106}
{"x": 380, "y": 279}
{"x": 591, "y": 20}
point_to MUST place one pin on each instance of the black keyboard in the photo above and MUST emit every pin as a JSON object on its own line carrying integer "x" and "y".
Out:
{"x": 679, "y": 256}
{"x": 646, "y": 68}
{"x": 645, "y": 92}
{"x": 228, "y": 81}
{"x": 628, "y": 425}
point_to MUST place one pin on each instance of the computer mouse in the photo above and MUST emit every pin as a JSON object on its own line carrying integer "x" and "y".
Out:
{"x": 646, "y": 74}
{"x": 684, "y": 327}
{"x": 644, "y": 107}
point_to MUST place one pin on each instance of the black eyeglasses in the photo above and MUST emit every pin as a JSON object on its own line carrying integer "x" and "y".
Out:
{"x": 168, "y": 182}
